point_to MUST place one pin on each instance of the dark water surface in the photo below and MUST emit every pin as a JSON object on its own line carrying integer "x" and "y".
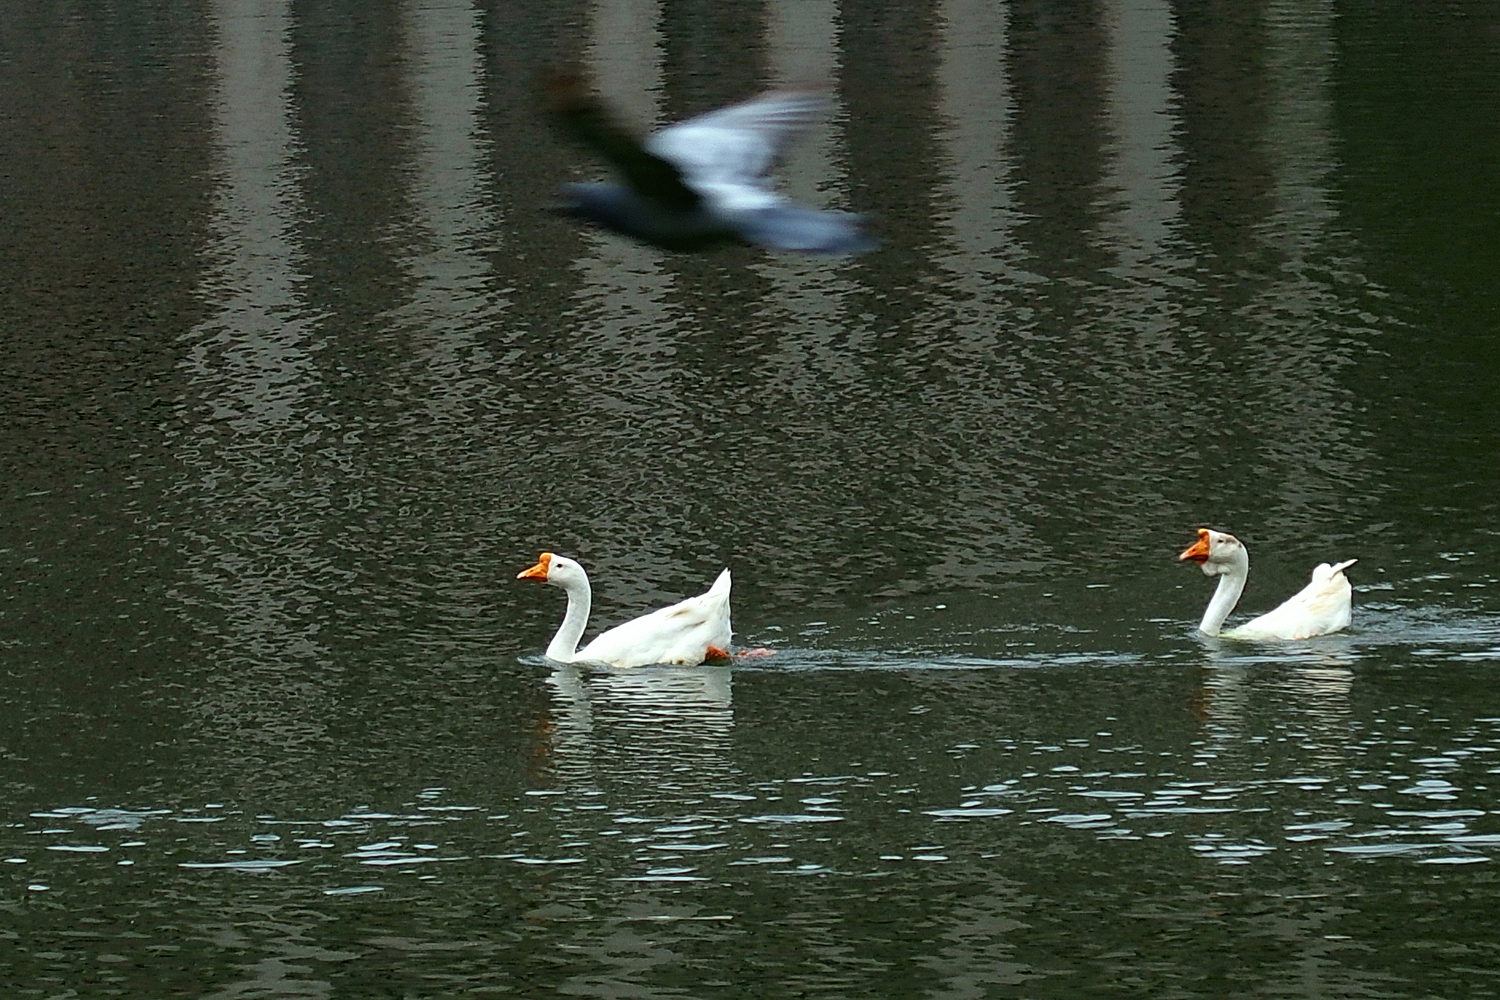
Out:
{"x": 299, "y": 372}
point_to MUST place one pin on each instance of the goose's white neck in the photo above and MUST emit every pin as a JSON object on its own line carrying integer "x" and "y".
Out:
{"x": 564, "y": 645}
{"x": 1232, "y": 579}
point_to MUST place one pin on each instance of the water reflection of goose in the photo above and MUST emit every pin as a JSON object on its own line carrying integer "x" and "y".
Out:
{"x": 1308, "y": 691}
{"x": 1317, "y": 609}
{"x": 658, "y": 718}
{"x": 687, "y": 633}
{"x": 656, "y": 695}
{"x": 666, "y": 693}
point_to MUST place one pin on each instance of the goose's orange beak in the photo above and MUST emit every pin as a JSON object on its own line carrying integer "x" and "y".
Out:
{"x": 537, "y": 572}
{"x": 1198, "y": 551}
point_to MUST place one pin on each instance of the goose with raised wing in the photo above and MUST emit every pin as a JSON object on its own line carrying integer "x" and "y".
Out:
{"x": 1317, "y": 609}
{"x": 690, "y": 632}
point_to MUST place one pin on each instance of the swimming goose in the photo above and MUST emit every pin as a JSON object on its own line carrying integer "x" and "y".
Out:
{"x": 688, "y": 633}
{"x": 1317, "y": 609}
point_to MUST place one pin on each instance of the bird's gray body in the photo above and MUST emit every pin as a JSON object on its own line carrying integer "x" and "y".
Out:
{"x": 781, "y": 226}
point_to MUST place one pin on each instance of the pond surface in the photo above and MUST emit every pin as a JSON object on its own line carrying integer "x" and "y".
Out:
{"x": 300, "y": 371}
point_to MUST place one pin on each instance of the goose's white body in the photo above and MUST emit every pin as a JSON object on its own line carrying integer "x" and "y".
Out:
{"x": 1321, "y": 607}
{"x": 686, "y": 633}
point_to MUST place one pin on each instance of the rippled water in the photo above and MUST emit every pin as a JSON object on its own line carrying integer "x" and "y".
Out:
{"x": 300, "y": 372}
{"x": 1195, "y": 819}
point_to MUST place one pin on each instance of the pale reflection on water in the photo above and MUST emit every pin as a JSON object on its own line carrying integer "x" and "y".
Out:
{"x": 641, "y": 727}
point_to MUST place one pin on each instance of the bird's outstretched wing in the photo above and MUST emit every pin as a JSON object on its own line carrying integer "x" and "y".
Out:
{"x": 740, "y": 143}
{"x": 584, "y": 116}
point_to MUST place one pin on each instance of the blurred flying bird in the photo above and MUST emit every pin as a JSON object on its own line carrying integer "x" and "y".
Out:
{"x": 705, "y": 180}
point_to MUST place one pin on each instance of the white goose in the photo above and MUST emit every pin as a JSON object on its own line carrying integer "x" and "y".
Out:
{"x": 1317, "y": 609}
{"x": 686, "y": 633}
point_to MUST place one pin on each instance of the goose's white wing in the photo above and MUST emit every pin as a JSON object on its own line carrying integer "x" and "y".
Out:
{"x": 683, "y": 633}
{"x": 1321, "y": 607}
